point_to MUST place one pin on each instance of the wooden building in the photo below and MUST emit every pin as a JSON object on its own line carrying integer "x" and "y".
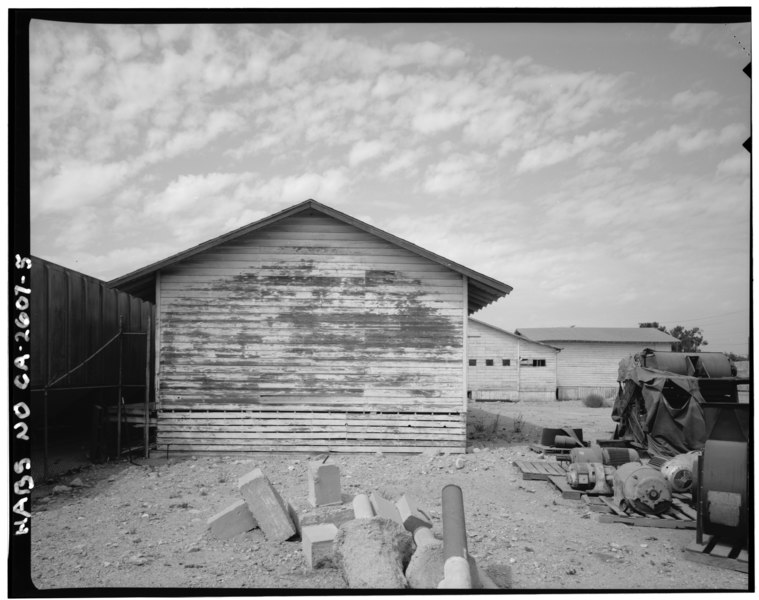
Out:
{"x": 311, "y": 331}
{"x": 589, "y": 358}
{"x": 506, "y": 366}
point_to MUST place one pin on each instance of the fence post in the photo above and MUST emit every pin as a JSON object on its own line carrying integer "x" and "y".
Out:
{"x": 44, "y": 435}
{"x": 147, "y": 388}
{"x": 118, "y": 399}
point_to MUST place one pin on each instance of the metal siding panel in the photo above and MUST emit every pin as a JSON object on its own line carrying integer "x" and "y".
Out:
{"x": 38, "y": 332}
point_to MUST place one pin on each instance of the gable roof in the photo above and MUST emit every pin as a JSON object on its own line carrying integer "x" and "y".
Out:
{"x": 521, "y": 337}
{"x": 597, "y": 334}
{"x": 482, "y": 290}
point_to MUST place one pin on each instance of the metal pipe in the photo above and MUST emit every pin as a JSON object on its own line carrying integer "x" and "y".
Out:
{"x": 91, "y": 387}
{"x": 454, "y": 527}
{"x": 84, "y": 362}
{"x": 456, "y": 572}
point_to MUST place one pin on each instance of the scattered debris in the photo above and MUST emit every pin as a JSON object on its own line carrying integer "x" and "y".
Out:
{"x": 318, "y": 544}
{"x": 266, "y": 505}
{"x": 231, "y": 521}
{"x": 371, "y": 553}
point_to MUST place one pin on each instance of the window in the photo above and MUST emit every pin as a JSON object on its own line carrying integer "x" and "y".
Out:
{"x": 506, "y": 362}
{"x": 472, "y": 362}
{"x": 488, "y": 362}
{"x": 538, "y": 362}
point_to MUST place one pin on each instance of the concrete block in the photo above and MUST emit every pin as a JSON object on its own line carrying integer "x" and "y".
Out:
{"x": 385, "y": 508}
{"x": 304, "y": 515}
{"x": 411, "y": 517}
{"x": 323, "y": 484}
{"x": 231, "y": 521}
{"x": 317, "y": 541}
{"x": 267, "y": 506}
{"x": 362, "y": 507}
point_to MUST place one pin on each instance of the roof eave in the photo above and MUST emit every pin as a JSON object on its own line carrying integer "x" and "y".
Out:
{"x": 492, "y": 288}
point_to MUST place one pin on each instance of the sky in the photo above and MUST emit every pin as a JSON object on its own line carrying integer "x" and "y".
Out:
{"x": 598, "y": 169}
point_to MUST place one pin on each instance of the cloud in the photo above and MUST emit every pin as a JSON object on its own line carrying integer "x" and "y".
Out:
{"x": 707, "y": 138}
{"x": 402, "y": 162}
{"x": 688, "y": 34}
{"x": 190, "y": 192}
{"x": 123, "y": 41}
{"x": 454, "y": 175}
{"x": 77, "y": 183}
{"x": 690, "y": 100}
{"x": 366, "y": 150}
{"x": 436, "y": 121}
{"x": 389, "y": 83}
{"x": 738, "y": 164}
{"x": 560, "y": 151}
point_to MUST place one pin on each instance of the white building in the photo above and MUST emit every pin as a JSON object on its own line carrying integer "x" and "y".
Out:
{"x": 506, "y": 366}
{"x": 589, "y": 358}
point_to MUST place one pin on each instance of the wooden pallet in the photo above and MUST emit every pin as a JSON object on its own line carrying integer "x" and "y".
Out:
{"x": 679, "y": 516}
{"x": 718, "y": 554}
{"x": 539, "y": 469}
{"x": 567, "y": 491}
{"x": 541, "y": 449}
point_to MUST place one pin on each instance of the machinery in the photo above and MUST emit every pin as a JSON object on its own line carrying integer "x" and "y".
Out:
{"x": 612, "y": 457}
{"x": 659, "y": 407}
{"x": 594, "y": 477}
{"x": 680, "y": 471}
{"x": 642, "y": 488}
{"x": 723, "y": 472}
{"x": 593, "y": 468}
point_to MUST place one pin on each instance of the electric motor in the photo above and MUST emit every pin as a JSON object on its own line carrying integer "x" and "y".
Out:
{"x": 607, "y": 456}
{"x": 679, "y": 471}
{"x": 594, "y": 477}
{"x": 641, "y": 488}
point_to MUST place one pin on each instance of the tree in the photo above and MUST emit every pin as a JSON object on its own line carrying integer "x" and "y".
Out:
{"x": 691, "y": 340}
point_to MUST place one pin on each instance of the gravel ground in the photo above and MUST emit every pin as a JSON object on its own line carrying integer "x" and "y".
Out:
{"x": 144, "y": 524}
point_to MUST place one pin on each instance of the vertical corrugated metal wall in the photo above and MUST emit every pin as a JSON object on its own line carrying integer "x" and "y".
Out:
{"x": 72, "y": 317}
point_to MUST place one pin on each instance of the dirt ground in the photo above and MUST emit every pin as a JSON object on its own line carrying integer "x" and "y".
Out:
{"x": 143, "y": 524}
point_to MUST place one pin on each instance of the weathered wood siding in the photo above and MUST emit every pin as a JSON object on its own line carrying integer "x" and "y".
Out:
{"x": 512, "y": 382}
{"x": 593, "y": 367}
{"x": 310, "y": 334}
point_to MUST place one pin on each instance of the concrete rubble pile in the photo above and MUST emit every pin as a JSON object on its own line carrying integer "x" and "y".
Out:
{"x": 373, "y": 541}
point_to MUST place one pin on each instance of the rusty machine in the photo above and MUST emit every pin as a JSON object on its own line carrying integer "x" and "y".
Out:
{"x": 682, "y": 409}
{"x": 619, "y": 471}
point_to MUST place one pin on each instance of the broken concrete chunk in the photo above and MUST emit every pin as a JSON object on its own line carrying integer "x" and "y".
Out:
{"x": 231, "y": 521}
{"x": 411, "y": 517}
{"x": 362, "y": 507}
{"x": 303, "y": 514}
{"x": 370, "y": 553}
{"x": 323, "y": 484}
{"x": 317, "y": 541}
{"x": 267, "y": 506}
{"x": 385, "y": 508}
{"x": 425, "y": 569}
